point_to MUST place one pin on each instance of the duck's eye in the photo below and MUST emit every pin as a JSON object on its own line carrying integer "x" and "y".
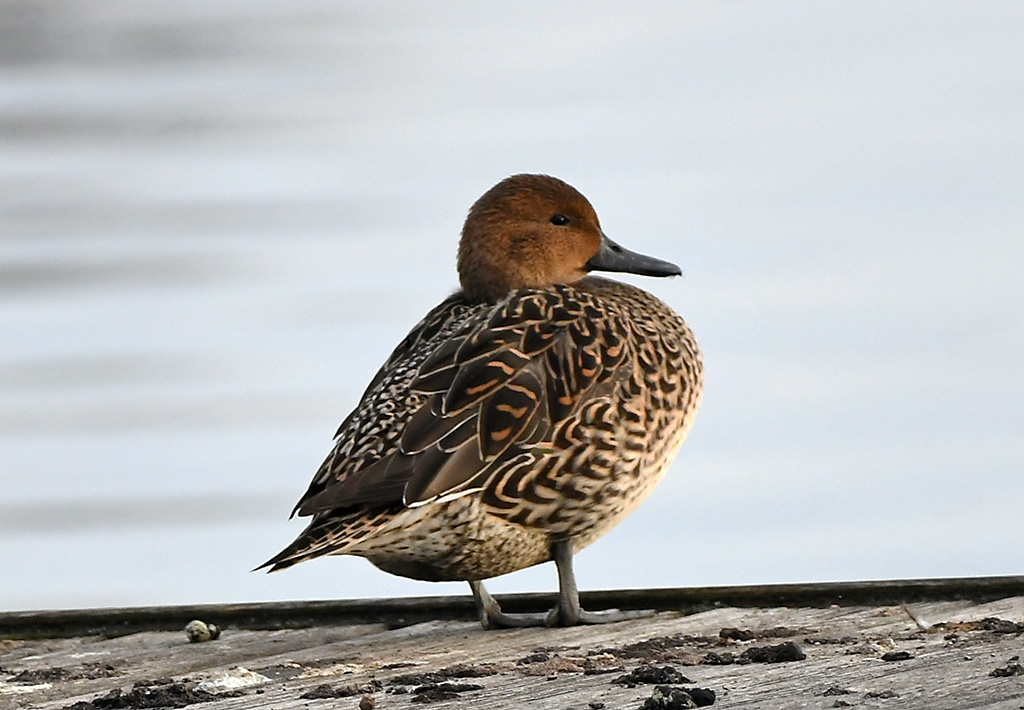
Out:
{"x": 559, "y": 219}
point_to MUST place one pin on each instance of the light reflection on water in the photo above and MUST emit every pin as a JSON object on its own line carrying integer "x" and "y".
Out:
{"x": 216, "y": 221}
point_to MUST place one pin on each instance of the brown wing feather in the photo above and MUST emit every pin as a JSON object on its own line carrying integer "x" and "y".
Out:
{"x": 486, "y": 396}
{"x": 367, "y": 436}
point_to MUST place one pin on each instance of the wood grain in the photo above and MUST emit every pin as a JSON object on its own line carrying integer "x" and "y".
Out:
{"x": 950, "y": 664}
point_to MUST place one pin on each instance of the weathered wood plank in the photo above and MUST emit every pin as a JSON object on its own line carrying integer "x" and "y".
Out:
{"x": 412, "y": 610}
{"x": 950, "y": 665}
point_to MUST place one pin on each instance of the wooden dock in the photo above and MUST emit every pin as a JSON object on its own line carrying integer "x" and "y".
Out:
{"x": 902, "y": 644}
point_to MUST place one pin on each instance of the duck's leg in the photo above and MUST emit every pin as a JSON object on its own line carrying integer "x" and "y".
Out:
{"x": 568, "y": 611}
{"x": 492, "y": 617}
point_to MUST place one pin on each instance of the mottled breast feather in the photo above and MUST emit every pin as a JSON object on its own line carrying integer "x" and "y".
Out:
{"x": 550, "y": 401}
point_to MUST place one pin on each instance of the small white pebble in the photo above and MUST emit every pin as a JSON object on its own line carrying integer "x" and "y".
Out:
{"x": 233, "y": 680}
{"x": 13, "y": 688}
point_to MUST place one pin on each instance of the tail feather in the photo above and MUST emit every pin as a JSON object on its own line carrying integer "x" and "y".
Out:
{"x": 332, "y": 535}
{"x": 315, "y": 541}
{"x": 291, "y": 555}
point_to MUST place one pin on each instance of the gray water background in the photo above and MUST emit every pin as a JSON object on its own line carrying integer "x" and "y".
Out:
{"x": 217, "y": 218}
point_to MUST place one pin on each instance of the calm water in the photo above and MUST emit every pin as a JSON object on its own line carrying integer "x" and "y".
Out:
{"x": 217, "y": 218}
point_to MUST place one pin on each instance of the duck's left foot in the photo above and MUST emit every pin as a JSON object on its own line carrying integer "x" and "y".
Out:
{"x": 568, "y": 611}
{"x": 573, "y": 617}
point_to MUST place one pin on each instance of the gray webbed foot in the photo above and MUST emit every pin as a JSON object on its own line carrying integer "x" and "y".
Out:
{"x": 492, "y": 617}
{"x": 566, "y": 613}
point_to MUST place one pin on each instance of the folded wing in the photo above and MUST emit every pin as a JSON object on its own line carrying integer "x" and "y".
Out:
{"x": 489, "y": 397}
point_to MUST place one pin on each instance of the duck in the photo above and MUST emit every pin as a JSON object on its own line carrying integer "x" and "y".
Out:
{"x": 521, "y": 419}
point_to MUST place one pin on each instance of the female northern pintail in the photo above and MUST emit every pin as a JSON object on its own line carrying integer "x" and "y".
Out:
{"x": 521, "y": 419}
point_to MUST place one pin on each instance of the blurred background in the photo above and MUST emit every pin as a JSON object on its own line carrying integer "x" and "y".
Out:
{"x": 218, "y": 217}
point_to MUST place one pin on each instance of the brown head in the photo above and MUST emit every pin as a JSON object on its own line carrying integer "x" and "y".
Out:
{"x": 535, "y": 230}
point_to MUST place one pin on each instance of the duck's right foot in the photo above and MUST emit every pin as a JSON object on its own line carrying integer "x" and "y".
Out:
{"x": 492, "y": 617}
